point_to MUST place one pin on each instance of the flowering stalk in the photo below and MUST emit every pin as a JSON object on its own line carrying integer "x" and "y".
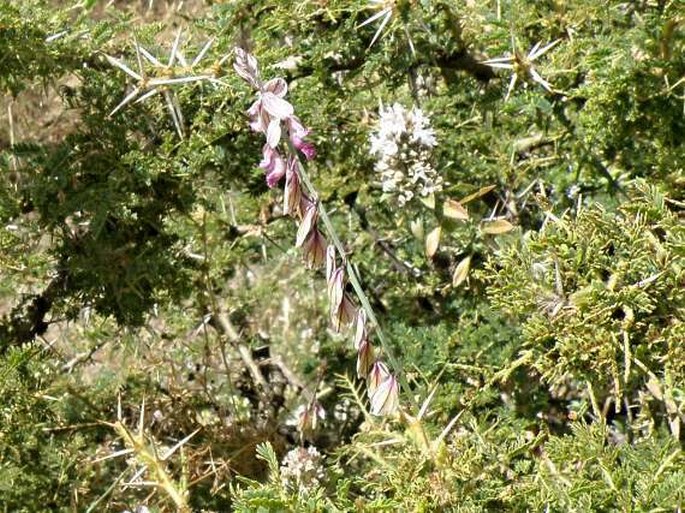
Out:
{"x": 269, "y": 114}
{"x": 356, "y": 285}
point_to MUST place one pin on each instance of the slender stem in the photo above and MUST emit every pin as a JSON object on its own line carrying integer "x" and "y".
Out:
{"x": 355, "y": 282}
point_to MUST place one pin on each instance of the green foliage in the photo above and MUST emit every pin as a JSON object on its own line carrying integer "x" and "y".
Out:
{"x": 581, "y": 472}
{"x": 599, "y": 297}
{"x": 151, "y": 294}
{"x": 41, "y": 458}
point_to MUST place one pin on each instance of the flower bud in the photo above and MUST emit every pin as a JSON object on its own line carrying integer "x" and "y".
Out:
{"x": 343, "y": 314}
{"x": 246, "y": 67}
{"x": 360, "y": 334}
{"x": 307, "y": 224}
{"x": 379, "y": 372}
{"x": 365, "y": 358}
{"x": 385, "y": 398}
{"x": 292, "y": 194}
{"x": 330, "y": 263}
{"x": 314, "y": 249}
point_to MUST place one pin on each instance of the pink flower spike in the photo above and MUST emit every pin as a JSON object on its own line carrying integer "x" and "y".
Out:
{"x": 385, "y": 399}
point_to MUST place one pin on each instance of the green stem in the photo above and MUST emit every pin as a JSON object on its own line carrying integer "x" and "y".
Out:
{"x": 354, "y": 280}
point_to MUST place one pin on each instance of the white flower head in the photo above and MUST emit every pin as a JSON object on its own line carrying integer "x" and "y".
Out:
{"x": 302, "y": 470}
{"x": 402, "y": 145}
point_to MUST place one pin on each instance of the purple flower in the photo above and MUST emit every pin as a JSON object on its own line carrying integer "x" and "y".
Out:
{"x": 270, "y": 109}
{"x": 267, "y": 113}
{"x": 308, "y": 150}
{"x": 297, "y": 132}
{"x": 273, "y": 164}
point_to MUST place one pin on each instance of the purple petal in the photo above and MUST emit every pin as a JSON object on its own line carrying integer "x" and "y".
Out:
{"x": 296, "y": 128}
{"x": 276, "y": 107}
{"x": 268, "y": 157}
{"x": 273, "y": 133}
{"x": 259, "y": 119}
{"x": 276, "y": 86}
{"x": 278, "y": 171}
{"x": 307, "y": 149}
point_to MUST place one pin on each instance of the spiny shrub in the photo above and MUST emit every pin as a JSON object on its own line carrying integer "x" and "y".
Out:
{"x": 600, "y": 298}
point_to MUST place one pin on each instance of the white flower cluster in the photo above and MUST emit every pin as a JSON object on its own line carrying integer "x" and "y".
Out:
{"x": 302, "y": 470}
{"x": 403, "y": 145}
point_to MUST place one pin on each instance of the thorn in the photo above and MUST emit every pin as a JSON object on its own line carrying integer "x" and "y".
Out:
{"x": 202, "y": 52}
{"x": 123, "y": 67}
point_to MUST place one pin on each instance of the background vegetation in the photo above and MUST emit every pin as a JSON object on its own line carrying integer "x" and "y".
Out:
{"x": 158, "y": 330}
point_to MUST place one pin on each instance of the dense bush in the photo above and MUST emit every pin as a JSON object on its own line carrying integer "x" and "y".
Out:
{"x": 505, "y": 181}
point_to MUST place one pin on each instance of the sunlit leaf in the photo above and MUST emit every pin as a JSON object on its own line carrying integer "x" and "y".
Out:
{"x": 433, "y": 241}
{"x": 429, "y": 201}
{"x": 461, "y": 272}
{"x": 455, "y": 210}
{"x": 480, "y": 192}
{"x": 496, "y": 227}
